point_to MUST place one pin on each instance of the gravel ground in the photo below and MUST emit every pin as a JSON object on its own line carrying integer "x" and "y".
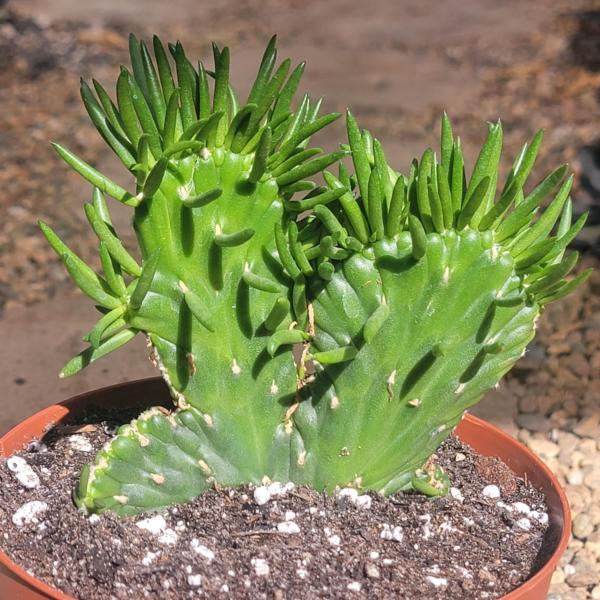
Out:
{"x": 534, "y": 64}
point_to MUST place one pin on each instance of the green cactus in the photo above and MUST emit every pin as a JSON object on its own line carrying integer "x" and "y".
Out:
{"x": 212, "y": 177}
{"x": 424, "y": 291}
{"x": 412, "y": 296}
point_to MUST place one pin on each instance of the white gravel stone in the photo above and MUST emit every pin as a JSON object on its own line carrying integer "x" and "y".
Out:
{"x": 302, "y": 573}
{"x": 94, "y": 519}
{"x": 80, "y": 443}
{"x": 261, "y": 567}
{"x": 288, "y": 527}
{"x": 350, "y": 497}
{"x": 280, "y": 489}
{"x": 22, "y": 470}
{"x": 437, "y": 581}
{"x": 542, "y": 517}
{"x": 522, "y": 508}
{"x": 194, "y": 580}
{"x": 155, "y": 525}
{"x": 168, "y": 537}
{"x": 150, "y": 558}
{"x": 289, "y": 515}
{"x": 372, "y": 571}
{"x": 355, "y": 586}
{"x": 364, "y": 502}
{"x": 457, "y": 494}
{"x": 524, "y": 524}
{"x": 261, "y": 495}
{"x": 575, "y": 477}
{"x": 346, "y": 496}
{"x": 334, "y": 540}
{"x": 28, "y": 513}
{"x": 391, "y": 533}
{"x": 374, "y": 555}
{"x": 491, "y": 491}
{"x": 202, "y": 550}
{"x": 427, "y": 531}
{"x": 264, "y": 493}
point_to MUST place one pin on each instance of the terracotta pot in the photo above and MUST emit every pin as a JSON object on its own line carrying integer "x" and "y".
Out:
{"x": 488, "y": 440}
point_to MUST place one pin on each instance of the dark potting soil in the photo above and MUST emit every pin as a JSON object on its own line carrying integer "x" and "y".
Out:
{"x": 480, "y": 541}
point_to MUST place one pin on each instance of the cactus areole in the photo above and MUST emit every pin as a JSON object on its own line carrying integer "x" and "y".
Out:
{"x": 411, "y": 295}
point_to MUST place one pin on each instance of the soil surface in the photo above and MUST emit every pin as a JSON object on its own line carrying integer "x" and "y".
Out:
{"x": 276, "y": 541}
{"x": 397, "y": 65}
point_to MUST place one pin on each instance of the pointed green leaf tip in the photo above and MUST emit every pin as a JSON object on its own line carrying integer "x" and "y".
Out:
{"x": 96, "y": 178}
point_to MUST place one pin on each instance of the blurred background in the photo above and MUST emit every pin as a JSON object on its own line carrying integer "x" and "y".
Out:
{"x": 398, "y": 65}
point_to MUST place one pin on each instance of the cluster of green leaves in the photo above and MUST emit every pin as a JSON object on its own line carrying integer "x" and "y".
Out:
{"x": 379, "y": 203}
{"x": 164, "y": 114}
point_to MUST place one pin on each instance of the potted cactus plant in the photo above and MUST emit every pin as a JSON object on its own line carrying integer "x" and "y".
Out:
{"x": 406, "y": 296}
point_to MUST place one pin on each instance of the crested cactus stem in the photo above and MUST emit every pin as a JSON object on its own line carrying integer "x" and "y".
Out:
{"x": 432, "y": 313}
{"x": 212, "y": 178}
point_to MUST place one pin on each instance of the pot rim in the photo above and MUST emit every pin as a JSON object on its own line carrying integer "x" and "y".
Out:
{"x": 29, "y": 428}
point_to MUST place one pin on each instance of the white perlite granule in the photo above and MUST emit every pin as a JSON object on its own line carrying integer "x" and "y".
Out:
{"x": 436, "y": 581}
{"x": 202, "y": 550}
{"x": 155, "y": 525}
{"x": 261, "y": 567}
{"x": 28, "y": 513}
{"x": 457, "y": 494}
{"x": 80, "y": 443}
{"x": 288, "y": 527}
{"x": 261, "y": 495}
{"x": 168, "y": 537}
{"x": 491, "y": 491}
{"x": 391, "y": 533}
{"x": 23, "y": 472}
{"x": 150, "y": 558}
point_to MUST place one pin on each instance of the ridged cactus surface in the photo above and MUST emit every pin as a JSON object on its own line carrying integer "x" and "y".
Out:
{"x": 411, "y": 295}
{"x": 422, "y": 292}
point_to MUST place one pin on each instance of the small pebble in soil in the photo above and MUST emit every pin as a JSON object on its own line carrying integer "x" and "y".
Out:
{"x": 29, "y": 513}
{"x": 202, "y": 550}
{"x": 261, "y": 567}
{"x": 155, "y": 525}
{"x": 261, "y": 495}
{"x": 491, "y": 491}
{"x": 194, "y": 580}
{"x": 288, "y": 527}
{"x": 80, "y": 443}
{"x": 521, "y": 507}
{"x": 437, "y": 581}
{"x": 274, "y": 540}
{"x": 456, "y": 494}
{"x": 20, "y": 468}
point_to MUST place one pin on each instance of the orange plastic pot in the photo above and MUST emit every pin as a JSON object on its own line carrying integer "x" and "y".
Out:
{"x": 17, "y": 584}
